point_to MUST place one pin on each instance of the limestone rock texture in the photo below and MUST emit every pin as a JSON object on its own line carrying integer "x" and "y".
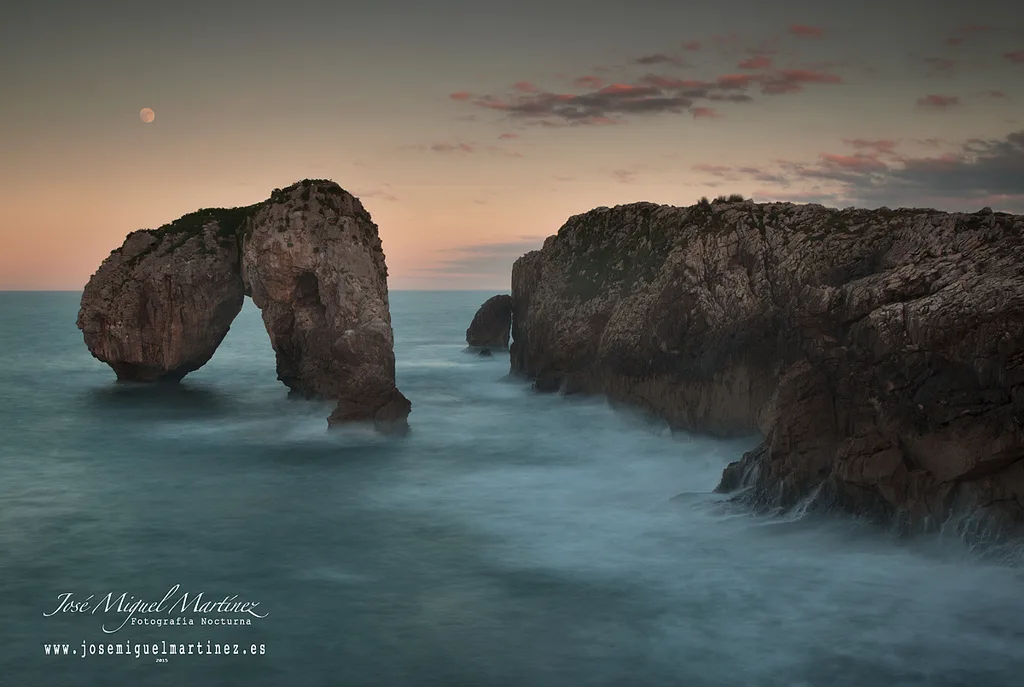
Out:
{"x": 879, "y": 353}
{"x": 310, "y": 257}
{"x": 492, "y": 323}
{"x": 158, "y": 306}
{"x": 313, "y": 263}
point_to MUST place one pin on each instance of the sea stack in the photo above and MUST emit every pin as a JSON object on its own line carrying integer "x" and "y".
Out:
{"x": 158, "y": 306}
{"x": 491, "y": 324}
{"x": 880, "y": 353}
{"x": 310, "y": 257}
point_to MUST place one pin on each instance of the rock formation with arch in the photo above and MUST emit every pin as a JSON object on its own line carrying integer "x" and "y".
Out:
{"x": 311, "y": 259}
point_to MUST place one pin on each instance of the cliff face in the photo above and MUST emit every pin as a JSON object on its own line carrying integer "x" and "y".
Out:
{"x": 490, "y": 325}
{"x": 312, "y": 261}
{"x": 159, "y": 305}
{"x": 879, "y": 353}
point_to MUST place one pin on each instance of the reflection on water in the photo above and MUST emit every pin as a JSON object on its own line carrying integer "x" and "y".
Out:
{"x": 184, "y": 400}
{"x": 509, "y": 539}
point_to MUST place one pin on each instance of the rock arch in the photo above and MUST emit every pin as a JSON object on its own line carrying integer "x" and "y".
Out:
{"x": 311, "y": 259}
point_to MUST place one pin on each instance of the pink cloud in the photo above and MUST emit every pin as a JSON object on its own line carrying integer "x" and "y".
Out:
{"x": 937, "y": 101}
{"x": 624, "y": 176}
{"x": 660, "y": 58}
{"x": 692, "y": 46}
{"x": 507, "y": 136}
{"x": 717, "y": 170}
{"x": 667, "y": 82}
{"x": 859, "y": 163}
{"x": 504, "y": 151}
{"x": 881, "y": 146}
{"x": 625, "y": 89}
{"x": 492, "y": 103}
{"x": 453, "y": 147}
{"x": 648, "y": 95}
{"x": 792, "y": 80}
{"x": 734, "y": 80}
{"x": 705, "y": 113}
{"x": 588, "y": 82}
{"x": 940, "y": 66}
{"x": 756, "y": 62}
{"x": 1015, "y": 56}
{"x": 809, "y": 76}
{"x": 599, "y": 121}
{"x": 806, "y": 31}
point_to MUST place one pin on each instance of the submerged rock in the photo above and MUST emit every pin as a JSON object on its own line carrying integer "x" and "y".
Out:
{"x": 311, "y": 259}
{"x": 491, "y": 324}
{"x": 879, "y": 353}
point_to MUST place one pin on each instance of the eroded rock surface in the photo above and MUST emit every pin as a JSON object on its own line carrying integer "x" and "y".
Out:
{"x": 313, "y": 263}
{"x": 311, "y": 259}
{"x": 158, "y": 306}
{"x": 880, "y": 353}
{"x": 491, "y": 324}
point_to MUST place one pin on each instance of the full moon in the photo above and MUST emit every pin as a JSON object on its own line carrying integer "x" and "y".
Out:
{"x": 147, "y": 115}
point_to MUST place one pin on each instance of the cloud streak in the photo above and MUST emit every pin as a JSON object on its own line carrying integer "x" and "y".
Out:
{"x": 806, "y": 31}
{"x": 652, "y": 94}
{"x": 981, "y": 171}
{"x": 660, "y": 58}
{"x": 469, "y": 148}
{"x": 706, "y": 113}
{"x": 756, "y": 62}
{"x": 936, "y": 101}
{"x": 483, "y": 260}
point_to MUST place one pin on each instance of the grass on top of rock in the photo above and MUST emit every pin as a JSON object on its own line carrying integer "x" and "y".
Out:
{"x": 328, "y": 186}
{"x": 599, "y": 264}
{"x": 228, "y": 220}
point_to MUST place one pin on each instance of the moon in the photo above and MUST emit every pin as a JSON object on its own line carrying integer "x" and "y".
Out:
{"x": 147, "y": 115}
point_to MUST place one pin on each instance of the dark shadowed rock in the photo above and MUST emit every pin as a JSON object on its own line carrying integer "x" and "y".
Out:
{"x": 311, "y": 259}
{"x": 879, "y": 353}
{"x": 490, "y": 325}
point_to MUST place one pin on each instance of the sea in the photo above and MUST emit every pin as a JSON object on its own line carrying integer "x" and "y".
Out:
{"x": 216, "y": 533}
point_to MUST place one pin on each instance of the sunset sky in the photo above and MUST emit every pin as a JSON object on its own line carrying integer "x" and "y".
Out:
{"x": 472, "y": 130}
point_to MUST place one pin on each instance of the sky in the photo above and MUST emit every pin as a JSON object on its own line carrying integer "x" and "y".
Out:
{"x": 473, "y": 130}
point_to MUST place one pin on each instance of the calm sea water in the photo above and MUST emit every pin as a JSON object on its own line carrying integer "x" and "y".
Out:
{"x": 510, "y": 539}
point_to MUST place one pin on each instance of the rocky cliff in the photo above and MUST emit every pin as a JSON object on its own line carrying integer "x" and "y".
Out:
{"x": 879, "y": 353}
{"x": 491, "y": 324}
{"x": 310, "y": 257}
{"x": 158, "y": 306}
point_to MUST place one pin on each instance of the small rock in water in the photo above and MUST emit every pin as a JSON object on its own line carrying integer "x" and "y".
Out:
{"x": 492, "y": 323}
{"x": 485, "y": 352}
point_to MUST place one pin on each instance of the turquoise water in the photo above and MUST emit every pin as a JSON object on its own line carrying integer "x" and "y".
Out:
{"x": 509, "y": 539}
